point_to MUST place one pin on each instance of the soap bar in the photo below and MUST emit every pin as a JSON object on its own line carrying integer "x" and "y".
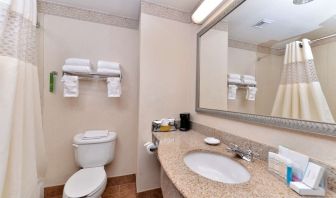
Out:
{"x": 313, "y": 175}
{"x": 303, "y": 189}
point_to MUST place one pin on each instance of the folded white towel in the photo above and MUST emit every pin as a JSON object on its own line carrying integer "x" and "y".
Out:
{"x": 104, "y": 71}
{"x": 108, "y": 65}
{"x": 248, "y": 77}
{"x": 234, "y": 76}
{"x": 251, "y": 93}
{"x": 78, "y": 61}
{"x": 249, "y": 82}
{"x": 113, "y": 87}
{"x": 77, "y": 69}
{"x": 234, "y": 80}
{"x": 70, "y": 86}
{"x": 95, "y": 134}
{"x": 232, "y": 92}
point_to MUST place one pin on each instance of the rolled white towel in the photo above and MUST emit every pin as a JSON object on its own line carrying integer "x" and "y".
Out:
{"x": 77, "y": 69}
{"x": 235, "y": 80}
{"x": 108, "y": 65}
{"x": 234, "y": 76}
{"x": 104, "y": 71}
{"x": 70, "y": 86}
{"x": 248, "y": 77}
{"x": 113, "y": 87}
{"x": 77, "y": 61}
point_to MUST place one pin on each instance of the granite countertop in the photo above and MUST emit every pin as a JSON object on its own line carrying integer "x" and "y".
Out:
{"x": 173, "y": 147}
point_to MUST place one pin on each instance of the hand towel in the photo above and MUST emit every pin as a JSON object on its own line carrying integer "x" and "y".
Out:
{"x": 77, "y": 69}
{"x": 113, "y": 87}
{"x": 70, "y": 86}
{"x": 300, "y": 161}
{"x": 78, "y": 61}
{"x": 104, "y": 71}
{"x": 251, "y": 93}
{"x": 234, "y": 76}
{"x": 95, "y": 134}
{"x": 108, "y": 65}
{"x": 248, "y": 77}
{"x": 232, "y": 92}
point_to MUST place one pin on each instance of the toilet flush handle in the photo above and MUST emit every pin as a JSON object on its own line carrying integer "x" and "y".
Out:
{"x": 75, "y": 145}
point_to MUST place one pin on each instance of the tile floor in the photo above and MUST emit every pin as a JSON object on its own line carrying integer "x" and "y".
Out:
{"x": 117, "y": 187}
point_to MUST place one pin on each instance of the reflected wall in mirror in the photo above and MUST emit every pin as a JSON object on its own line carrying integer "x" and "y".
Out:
{"x": 271, "y": 58}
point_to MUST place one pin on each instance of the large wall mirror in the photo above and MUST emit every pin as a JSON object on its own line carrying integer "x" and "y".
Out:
{"x": 272, "y": 62}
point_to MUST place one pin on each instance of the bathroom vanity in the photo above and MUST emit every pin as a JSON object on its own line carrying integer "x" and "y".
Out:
{"x": 178, "y": 180}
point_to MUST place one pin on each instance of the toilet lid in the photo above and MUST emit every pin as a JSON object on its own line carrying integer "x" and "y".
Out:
{"x": 84, "y": 182}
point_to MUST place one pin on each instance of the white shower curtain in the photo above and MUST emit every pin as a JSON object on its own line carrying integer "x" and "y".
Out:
{"x": 22, "y": 154}
{"x": 300, "y": 94}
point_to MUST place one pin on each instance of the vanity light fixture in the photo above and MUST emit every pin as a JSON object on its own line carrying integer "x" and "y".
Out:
{"x": 204, "y": 9}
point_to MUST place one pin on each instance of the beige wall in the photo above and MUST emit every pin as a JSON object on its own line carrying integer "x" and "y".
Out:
{"x": 243, "y": 62}
{"x": 167, "y": 62}
{"x": 64, "y": 117}
{"x": 268, "y": 74}
{"x": 213, "y": 69}
{"x": 325, "y": 63}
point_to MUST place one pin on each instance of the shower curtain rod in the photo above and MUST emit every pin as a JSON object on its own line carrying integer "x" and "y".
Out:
{"x": 322, "y": 38}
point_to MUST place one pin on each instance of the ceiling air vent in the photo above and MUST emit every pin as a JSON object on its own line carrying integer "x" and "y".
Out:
{"x": 262, "y": 23}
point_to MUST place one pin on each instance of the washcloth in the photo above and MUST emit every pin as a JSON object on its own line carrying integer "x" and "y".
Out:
{"x": 77, "y": 69}
{"x": 108, "y": 65}
{"x": 113, "y": 87}
{"x": 70, "y": 86}
{"x": 78, "y": 61}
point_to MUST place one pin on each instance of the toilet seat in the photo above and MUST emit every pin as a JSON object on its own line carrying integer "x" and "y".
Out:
{"x": 85, "y": 182}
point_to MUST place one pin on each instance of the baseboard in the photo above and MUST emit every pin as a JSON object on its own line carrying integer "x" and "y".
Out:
{"x": 57, "y": 191}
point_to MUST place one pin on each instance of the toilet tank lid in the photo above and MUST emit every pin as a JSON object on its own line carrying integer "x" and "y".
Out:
{"x": 78, "y": 139}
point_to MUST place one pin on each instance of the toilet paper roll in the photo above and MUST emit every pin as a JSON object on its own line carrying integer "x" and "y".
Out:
{"x": 150, "y": 147}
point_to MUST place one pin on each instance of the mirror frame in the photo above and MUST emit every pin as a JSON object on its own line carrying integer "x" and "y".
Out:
{"x": 311, "y": 127}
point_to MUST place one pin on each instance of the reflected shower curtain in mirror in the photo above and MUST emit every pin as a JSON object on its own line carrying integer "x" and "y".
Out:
{"x": 22, "y": 154}
{"x": 300, "y": 94}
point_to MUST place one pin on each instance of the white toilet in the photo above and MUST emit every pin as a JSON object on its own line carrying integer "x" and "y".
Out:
{"x": 92, "y": 155}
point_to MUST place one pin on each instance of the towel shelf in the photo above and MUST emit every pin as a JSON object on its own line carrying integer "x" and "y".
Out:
{"x": 94, "y": 76}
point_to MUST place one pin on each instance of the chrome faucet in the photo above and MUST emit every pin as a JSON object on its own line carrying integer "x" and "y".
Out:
{"x": 244, "y": 154}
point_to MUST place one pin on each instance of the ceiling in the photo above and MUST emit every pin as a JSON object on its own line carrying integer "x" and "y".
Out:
{"x": 291, "y": 22}
{"x": 127, "y": 8}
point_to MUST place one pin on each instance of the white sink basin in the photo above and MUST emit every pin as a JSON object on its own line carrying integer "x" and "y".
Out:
{"x": 216, "y": 167}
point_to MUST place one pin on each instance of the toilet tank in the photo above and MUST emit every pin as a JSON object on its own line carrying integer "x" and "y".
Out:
{"x": 94, "y": 152}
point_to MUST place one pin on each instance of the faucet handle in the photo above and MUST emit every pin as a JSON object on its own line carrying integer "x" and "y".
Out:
{"x": 252, "y": 154}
